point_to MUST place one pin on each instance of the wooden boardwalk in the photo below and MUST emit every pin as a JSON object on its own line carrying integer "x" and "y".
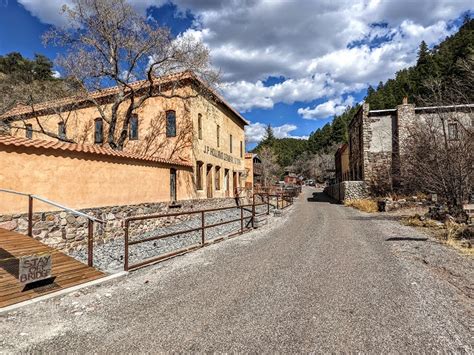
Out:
{"x": 66, "y": 271}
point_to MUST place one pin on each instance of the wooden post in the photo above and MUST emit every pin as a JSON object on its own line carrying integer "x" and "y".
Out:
{"x": 125, "y": 256}
{"x": 30, "y": 215}
{"x": 203, "y": 226}
{"x": 90, "y": 243}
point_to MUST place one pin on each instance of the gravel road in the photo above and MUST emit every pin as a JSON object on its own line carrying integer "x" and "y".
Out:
{"x": 322, "y": 278}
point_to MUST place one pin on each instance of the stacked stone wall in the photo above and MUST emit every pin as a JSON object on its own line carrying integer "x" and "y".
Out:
{"x": 347, "y": 190}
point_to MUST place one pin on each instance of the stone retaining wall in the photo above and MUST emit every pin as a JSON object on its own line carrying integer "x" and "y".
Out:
{"x": 347, "y": 190}
{"x": 68, "y": 232}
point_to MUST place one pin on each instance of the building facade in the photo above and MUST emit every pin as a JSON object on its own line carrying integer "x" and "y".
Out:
{"x": 377, "y": 140}
{"x": 201, "y": 139}
{"x": 342, "y": 163}
{"x": 253, "y": 166}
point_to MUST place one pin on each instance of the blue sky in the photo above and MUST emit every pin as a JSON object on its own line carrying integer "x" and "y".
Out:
{"x": 293, "y": 64}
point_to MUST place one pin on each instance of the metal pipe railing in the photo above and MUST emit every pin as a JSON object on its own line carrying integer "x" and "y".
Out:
{"x": 202, "y": 229}
{"x": 90, "y": 219}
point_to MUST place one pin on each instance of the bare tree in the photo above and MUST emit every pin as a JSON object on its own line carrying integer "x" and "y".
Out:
{"x": 269, "y": 166}
{"x": 438, "y": 153}
{"x": 108, "y": 43}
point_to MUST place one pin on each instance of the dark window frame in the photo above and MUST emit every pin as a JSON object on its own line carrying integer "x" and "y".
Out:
{"x": 62, "y": 130}
{"x": 98, "y": 131}
{"x": 230, "y": 143}
{"x": 218, "y": 134}
{"x": 170, "y": 123}
{"x": 29, "y": 131}
{"x": 133, "y": 128}
{"x": 199, "y": 126}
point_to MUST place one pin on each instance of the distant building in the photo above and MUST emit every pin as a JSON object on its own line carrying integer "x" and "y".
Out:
{"x": 253, "y": 168}
{"x": 291, "y": 179}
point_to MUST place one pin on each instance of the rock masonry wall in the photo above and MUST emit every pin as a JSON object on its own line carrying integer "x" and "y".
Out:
{"x": 347, "y": 190}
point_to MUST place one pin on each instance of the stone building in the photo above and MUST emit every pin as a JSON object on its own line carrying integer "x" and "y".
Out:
{"x": 177, "y": 149}
{"x": 342, "y": 163}
{"x": 376, "y": 141}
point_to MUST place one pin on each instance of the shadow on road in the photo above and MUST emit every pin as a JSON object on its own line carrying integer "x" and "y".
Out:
{"x": 322, "y": 197}
{"x": 399, "y": 239}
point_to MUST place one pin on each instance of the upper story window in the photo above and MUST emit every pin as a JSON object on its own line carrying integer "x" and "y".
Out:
{"x": 29, "y": 131}
{"x": 230, "y": 143}
{"x": 133, "y": 128}
{"x": 241, "y": 149}
{"x": 218, "y": 135}
{"x": 98, "y": 131}
{"x": 170, "y": 124}
{"x": 61, "y": 130}
{"x": 199, "y": 126}
{"x": 453, "y": 131}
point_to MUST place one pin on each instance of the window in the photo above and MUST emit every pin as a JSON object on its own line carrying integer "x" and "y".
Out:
{"x": 230, "y": 143}
{"x": 453, "y": 131}
{"x": 61, "y": 130}
{"x": 170, "y": 124}
{"x": 29, "y": 131}
{"x": 218, "y": 178}
{"x": 218, "y": 134}
{"x": 173, "y": 184}
{"x": 133, "y": 128}
{"x": 241, "y": 149}
{"x": 98, "y": 131}
{"x": 199, "y": 168}
{"x": 200, "y": 126}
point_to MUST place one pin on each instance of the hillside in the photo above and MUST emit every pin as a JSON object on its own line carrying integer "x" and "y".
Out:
{"x": 439, "y": 76}
{"x": 28, "y": 81}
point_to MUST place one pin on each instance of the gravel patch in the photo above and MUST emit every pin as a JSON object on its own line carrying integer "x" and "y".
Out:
{"x": 109, "y": 257}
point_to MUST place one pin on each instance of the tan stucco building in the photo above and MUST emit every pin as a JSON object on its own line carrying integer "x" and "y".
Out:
{"x": 193, "y": 148}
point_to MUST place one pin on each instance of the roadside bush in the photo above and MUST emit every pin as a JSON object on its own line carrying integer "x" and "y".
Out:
{"x": 365, "y": 205}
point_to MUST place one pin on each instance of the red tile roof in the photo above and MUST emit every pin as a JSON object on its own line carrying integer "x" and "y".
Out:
{"x": 22, "y": 109}
{"x": 85, "y": 148}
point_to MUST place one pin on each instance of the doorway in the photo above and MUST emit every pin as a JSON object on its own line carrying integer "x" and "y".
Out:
{"x": 173, "y": 194}
{"x": 226, "y": 183}
{"x": 236, "y": 183}
{"x": 209, "y": 180}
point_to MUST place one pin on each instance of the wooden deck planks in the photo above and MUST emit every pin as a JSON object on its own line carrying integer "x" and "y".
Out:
{"x": 66, "y": 270}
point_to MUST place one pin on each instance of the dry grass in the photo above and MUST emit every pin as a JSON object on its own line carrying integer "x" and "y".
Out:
{"x": 451, "y": 233}
{"x": 415, "y": 221}
{"x": 365, "y": 205}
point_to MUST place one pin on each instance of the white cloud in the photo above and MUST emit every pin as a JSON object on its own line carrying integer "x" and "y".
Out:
{"x": 49, "y": 11}
{"x": 245, "y": 95}
{"x": 326, "y": 109}
{"x": 255, "y": 132}
{"x": 56, "y": 74}
{"x": 323, "y": 49}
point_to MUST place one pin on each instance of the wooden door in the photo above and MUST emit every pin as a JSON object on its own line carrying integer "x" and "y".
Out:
{"x": 226, "y": 183}
{"x": 236, "y": 183}
{"x": 173, "y": 194}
